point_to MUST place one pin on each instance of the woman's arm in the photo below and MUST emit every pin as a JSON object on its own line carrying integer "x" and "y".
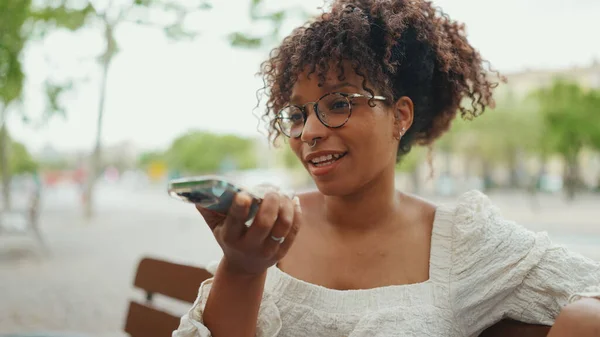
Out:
{"x": 580, "y": 318}
{"x": 229, "y": 305}
{"x": 233, "y": 304}
{"x": 502, "y": 270}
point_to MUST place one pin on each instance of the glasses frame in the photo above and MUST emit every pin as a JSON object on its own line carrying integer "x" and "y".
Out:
{"x": 302, "y": 108}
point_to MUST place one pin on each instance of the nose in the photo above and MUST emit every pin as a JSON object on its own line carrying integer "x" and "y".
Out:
{"x": 313, "y": 128}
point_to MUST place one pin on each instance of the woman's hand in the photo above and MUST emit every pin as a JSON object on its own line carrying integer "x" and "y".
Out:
{"x": 251, "y": 250}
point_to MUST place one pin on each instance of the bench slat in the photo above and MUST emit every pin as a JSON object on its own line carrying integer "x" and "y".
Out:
{"x": 510, "y": 327}
{"x": 144, "y": 321}
{"x": 170, "y": 279}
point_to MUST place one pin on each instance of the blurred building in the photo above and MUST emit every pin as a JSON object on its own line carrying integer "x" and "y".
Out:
{"x": 122, "y": 155}
{"x": 522, "y": 83}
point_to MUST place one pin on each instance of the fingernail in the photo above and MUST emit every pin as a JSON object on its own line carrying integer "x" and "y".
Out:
{"x": 242, "y": 200}
{"x": 288, "y": 194}
{"x": 296, "y": 201}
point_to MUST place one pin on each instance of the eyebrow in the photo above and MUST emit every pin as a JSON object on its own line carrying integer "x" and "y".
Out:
{"x": 296, "y": 98}
{"x": 340, "y": 85}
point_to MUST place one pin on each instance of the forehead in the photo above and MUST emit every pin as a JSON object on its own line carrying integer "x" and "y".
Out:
{"x": 307, "y": 83}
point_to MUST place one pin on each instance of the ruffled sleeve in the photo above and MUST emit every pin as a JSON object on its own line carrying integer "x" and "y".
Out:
{"x": 500, "y": 269}
{"x": 191, "y": 324}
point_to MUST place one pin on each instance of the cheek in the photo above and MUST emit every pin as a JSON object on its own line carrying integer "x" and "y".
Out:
{"x": 295, "y": 145}
{"x": 378, "y": 135}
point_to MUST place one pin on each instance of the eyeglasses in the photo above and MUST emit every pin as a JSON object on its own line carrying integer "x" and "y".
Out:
{"x": 333, "y": 110}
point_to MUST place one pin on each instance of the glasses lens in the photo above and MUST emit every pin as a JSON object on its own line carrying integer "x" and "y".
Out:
{"x": 291, "y": 121}
{"x": 334, "y": 110}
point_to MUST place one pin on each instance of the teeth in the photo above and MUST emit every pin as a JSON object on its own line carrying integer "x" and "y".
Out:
{"x": 326, "y": 158}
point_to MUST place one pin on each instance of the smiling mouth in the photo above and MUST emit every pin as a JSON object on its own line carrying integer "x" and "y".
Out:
{"x": 327, "y": 159}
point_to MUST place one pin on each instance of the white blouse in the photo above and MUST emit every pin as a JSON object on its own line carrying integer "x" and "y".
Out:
{"x": 483, "y": 268}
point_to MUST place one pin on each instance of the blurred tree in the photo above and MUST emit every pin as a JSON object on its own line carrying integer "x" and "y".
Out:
{"x": 21, "y": 21}
{"x": 141, "y": 12}
{"x": 149, "y": 13}
{"x": 499, "y": 137}
{"x": 20, "y": 160}
{"x": 55, "y": 165}
{"x": 274, "y": 20}
{"x": 286, "y": 156}
{"x": 571, "y": 116}
{"x": 146, "y": 159}
{"x": 203, "y": 152}
{"x": 411, "y": 163}
{"x": 593, "y": 108}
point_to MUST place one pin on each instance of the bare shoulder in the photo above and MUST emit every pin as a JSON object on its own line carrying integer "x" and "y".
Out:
{"x": 417, "y": 205}
{"x": 418, "y": 209}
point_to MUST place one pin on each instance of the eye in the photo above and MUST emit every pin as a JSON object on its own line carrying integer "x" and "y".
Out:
{"x": 338, "y": 105}
{"x": 296, "y": 117}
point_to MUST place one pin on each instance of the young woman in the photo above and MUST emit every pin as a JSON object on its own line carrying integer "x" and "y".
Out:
{"x": 353, "y": 91}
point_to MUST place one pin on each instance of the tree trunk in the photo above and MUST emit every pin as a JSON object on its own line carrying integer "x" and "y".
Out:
{"x": 571, "y": 175}
{"x": 513, "y": 166}
{"x": 535, "y": 184}
{"x": 487, "y": 176}
{"x": 4, "y": 164}
{"x": 96, "y": 158}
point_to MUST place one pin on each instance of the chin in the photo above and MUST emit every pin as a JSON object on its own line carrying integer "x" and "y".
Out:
{"x": 335, "y": 187}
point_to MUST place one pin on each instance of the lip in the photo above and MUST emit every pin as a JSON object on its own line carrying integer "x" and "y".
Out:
{"x": 318, "y": 171}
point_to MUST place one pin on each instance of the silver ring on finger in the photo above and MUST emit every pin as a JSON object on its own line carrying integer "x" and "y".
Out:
{"x": 278, "y": 240}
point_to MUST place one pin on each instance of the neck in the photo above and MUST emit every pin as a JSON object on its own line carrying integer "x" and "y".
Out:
{"x": 367, "y": 209}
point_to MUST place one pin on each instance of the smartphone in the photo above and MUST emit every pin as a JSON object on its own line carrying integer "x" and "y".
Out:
{"x": 211, "y": 192}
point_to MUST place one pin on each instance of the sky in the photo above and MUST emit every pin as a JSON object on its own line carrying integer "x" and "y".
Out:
{"x": 159, "y": 89}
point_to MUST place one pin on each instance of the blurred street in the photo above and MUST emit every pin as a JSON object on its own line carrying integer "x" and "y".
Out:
{"x": 83, "y": 282}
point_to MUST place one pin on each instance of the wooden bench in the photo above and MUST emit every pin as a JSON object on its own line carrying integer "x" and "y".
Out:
{"x": 182, "y": 282}
{"x": 509, "y": 327}
{"x": 169, "y": 279}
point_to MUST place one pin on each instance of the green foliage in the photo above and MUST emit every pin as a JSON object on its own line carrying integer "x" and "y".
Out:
{"x": 288, "y": 158}
{"x": 17, "y": 20}
{"x": 274, "y": 19}
{"x": 61, "y": 16}
{"x": 238, "y": 39}
{"x": 410, "y": 162}
{"x": 571, "y": 117}
{"x": 53, "y": 94}
{"x": 593, "y": 101}
{"x": 13, "y": 15}
{"x": 204, "y": 152}
{"x": 54, "y": 165}
{"x": 148, "y": 158}
{"x": 20, "y": 159}
{"x": 179, "y": 11}
{"x": 497, "y": 135}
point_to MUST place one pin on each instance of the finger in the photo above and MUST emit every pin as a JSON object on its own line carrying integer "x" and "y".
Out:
{"x": 281, "y": 228}
{"x": 234, "y": 226}
{"x": 264, "y": 220}
{"x": 212, "y": 218}
{"x": 293, "y": 232}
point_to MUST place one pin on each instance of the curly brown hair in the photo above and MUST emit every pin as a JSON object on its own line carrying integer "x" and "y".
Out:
{"x": 401, "y": 48}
